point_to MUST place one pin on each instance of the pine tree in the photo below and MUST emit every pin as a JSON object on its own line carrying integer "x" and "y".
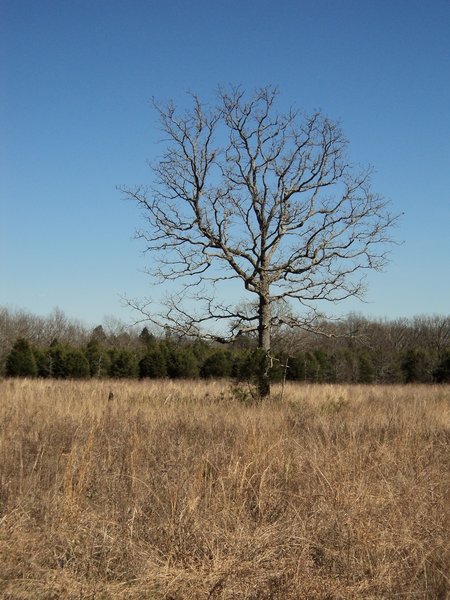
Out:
{"x": 217, "y": 364}
{"x": 98, "y": 358}
{"x": 20, "y": 362}
{"x": 183, "y": 364}
{"x": 146, "y": 338}
{"x": 367, "y": 370}
{"x": 296, "y": 370}
{"x": 123, "y": 364}
{"x": 76, "y": 364}
{"x": 153, "y": 365}
{"x": 312, "y": 367}
{"x": 442, "y": 371}
{"x": 415, "y": 366}
{"x": 55, "y": 361}
{"x": 98, "y": 333}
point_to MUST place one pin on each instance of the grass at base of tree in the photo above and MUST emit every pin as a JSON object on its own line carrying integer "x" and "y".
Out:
{"x": 187, "y": 491}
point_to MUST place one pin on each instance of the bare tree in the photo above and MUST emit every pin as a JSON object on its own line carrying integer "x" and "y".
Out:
{"x": 243, "y": 192}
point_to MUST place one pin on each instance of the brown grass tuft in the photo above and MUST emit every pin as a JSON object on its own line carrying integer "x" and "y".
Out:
{"x": 179, "y": 491}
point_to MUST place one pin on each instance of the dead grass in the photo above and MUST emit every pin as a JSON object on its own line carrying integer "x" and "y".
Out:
{"x": 181, "y": 491}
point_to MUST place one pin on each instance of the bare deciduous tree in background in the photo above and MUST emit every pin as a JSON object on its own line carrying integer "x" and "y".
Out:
{"x": 243, "y": 192}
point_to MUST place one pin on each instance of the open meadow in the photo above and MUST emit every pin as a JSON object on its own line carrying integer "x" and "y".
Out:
{"x": 189, "y": 491}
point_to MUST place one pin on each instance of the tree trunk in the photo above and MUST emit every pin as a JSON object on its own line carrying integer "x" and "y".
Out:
{"x": 263, "y": 380}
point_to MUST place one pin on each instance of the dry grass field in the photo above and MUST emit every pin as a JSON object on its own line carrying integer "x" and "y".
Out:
{"x": 186, "y": 491}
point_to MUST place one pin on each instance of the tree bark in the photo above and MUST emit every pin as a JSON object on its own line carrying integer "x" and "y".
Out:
{"x": 264, "y": 343}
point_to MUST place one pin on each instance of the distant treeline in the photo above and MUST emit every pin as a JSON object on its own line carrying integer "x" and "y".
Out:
{"x": 354, "y": 350}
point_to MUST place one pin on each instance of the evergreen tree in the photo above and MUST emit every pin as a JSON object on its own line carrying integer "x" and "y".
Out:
{"x": 278, "y": 368}
{"x": 98, "y": 358}
{"x": 45, "y": 359}
{"x": 201, "y": 351}
{"x": 245, "y": 365}
{"x": 122, "y": 364}
{"x": 62, "y": 362}
{"x": 20, "y": 362}
{"x": 296, "y": 370}
{"x": 350, "y": 365}
{"x": 76, "y": 365}
{"x": 442, "y": 371}
{"x": 366, "y": 368}
{"x": 312, "y": 368}
{"x": 41, "y": 359}
{"x": 325, "y": 367}
{"x": 146, "y": 338}
{"x": 389, "y": 367}
{"x": 217, "y": 365}
{"x": 183, "y": 364}
{"x": 415, "y": 366}
{"x": 55, "y": 361}
{"x": 98, "y": 333}
{"x": 153, "y": 365}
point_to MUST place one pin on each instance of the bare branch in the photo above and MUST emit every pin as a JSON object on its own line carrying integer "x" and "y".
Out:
{"x": 243, "y": 192}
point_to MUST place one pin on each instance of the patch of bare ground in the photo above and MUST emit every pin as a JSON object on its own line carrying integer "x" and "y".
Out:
{"x": 183, "y": 491}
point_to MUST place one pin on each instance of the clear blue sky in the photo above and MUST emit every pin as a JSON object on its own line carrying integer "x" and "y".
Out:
{"x": 76, "y": 77}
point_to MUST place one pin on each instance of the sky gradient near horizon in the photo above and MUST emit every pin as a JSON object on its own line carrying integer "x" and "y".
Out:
{"x": 76, "y": 78}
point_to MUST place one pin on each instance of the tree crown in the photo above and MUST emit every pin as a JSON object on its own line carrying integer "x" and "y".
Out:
{"x": 244, "y": 192}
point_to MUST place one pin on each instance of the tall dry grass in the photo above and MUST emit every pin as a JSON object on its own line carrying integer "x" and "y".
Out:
{"x": 183, "y": 491}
